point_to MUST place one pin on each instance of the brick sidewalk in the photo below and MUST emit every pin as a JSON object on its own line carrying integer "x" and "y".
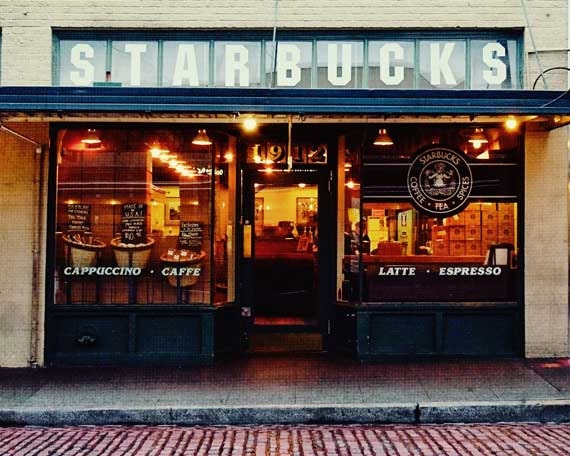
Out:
{"x": 393, "y": 440}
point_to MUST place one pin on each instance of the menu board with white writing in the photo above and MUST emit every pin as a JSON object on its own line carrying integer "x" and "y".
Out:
{"x": 79, "y": 217}
{"x": 191, "y": 236}
{"x": 133, "y": 224}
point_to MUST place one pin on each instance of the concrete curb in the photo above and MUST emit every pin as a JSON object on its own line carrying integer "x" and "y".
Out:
{"x": 432, "y": 413}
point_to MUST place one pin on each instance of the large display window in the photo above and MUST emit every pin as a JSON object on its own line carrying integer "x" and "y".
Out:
{"x": 431, "y": 215}
{"x": 144, "y": 215}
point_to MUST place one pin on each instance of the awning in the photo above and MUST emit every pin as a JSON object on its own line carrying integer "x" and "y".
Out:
{"x": 59, "y": 102}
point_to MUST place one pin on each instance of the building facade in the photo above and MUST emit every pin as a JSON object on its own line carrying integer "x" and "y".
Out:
{"x": 404, "y": 192}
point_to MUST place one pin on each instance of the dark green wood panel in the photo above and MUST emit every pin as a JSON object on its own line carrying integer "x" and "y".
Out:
{"x": 103, "y": 335}
{"x": 479, "y": 334}
{"x": 168, "y": 334}
{"x": 402, "y": 334}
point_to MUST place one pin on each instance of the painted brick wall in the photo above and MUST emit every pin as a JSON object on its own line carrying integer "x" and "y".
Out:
{"x": 26, "y": 25}
{"x": 546, "y": 244}
{"x": 17, "y": 227}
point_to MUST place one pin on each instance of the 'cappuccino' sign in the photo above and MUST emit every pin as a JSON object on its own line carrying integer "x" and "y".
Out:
{"x": 439, "y": 181}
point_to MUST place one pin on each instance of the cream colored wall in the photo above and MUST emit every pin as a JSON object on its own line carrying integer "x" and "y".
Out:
{"x": 27, "y": 26}
{"x": 18, "y": 224}
{"x": 546, "y": 244}
{"x": 280, "y": 203}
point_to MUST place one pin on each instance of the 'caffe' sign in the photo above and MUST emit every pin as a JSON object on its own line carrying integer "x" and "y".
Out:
{"x": 439, "y": 181}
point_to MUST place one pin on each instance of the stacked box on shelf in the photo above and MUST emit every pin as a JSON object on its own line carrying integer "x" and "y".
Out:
{"x": 473, "y": 230}
{"x": 457, "y": 239}
{"x": 457, "y": 248}
{"x": 489, "y": 221}
{"x": 440, "y": 240}
{"x": 506, "y": 225}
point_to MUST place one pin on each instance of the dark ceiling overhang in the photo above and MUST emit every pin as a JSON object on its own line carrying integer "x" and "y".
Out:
{"x": 61, "y": 101}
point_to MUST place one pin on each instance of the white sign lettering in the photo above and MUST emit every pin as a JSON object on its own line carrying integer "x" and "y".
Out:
{"x": 387, "y": 52}
{"x": 497, "y": 72}
{"x": 334, "y": 77}
{"x": 288, "y": 70}
{"x": 240, "y": 64}
{"x": 86, "y": 75}
{"x": 135, "y": 49}
{"x": 236, "y": 64}
{"x": 439, "y": 61}
{"x": 186, "y": 67}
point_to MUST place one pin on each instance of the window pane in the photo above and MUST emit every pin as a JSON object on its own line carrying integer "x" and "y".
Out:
{"x": 339, "y": 64}
{"x": 237, "y": 63}
{"x": 470, "y": 256}
{"x": 81, "y": 62}
{"x": 185, "y": 63}
{"x": 294, "y": 62}
{"x": 442, "y": 65}
{"x": 133, "y": 224}
{"x": 493, "y": 64}
{"x": 391, "y": 64}
{"x": 134, "y": 63}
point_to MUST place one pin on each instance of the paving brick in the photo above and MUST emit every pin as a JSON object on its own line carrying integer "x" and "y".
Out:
{"x": 354, "y": 440}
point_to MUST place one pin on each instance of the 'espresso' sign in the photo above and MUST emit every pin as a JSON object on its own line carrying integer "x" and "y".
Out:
{"x": 478, "y": 63}
{"x": 440, "y": 181}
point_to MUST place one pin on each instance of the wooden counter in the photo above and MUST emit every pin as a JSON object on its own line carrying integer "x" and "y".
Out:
{"x": 416, "y": 259}
{"x": 427, "y": 278}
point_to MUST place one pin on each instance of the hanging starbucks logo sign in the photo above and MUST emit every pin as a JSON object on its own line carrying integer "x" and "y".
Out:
{"x": 439, "y": 181}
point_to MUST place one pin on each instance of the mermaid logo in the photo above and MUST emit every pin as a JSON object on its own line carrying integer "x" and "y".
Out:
{"x": 439, "y": 181}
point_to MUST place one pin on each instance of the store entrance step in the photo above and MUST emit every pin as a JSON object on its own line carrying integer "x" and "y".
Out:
{"x": 285, "y": 342}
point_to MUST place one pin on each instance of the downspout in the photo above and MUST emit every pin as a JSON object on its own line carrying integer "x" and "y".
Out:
{"x": 37, "y": 211}
{"x": 37, "y": 190}
{"x": 568, "y": 149}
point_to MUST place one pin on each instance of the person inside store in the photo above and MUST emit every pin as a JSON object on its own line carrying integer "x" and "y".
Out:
{"x": 358, "y": 238}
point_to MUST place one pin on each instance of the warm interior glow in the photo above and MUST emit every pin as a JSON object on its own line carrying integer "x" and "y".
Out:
{"x": 201, "y": 139}
{"x": 249, "y": 124}
{"x": 166, "y": 157}
{"x": 91, "y": 138}
{"x": 383, "y": 138}
{"x": 302, "y": 185}
{"x": 483, "y": 155}
{"x": 511, "y": 123}
{"x": 229, "y": 157}
{"x": 478, "y": 138}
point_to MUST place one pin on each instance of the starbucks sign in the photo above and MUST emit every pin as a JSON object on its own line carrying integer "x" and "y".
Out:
{"x": 439, "y": 181}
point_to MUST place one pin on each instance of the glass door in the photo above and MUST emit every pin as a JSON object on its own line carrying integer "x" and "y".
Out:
{"x": 285, "y": 278}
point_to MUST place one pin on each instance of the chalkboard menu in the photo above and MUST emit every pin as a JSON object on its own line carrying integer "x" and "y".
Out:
{"x": 79, "y": 217}
{"x": 133, "y": 224}
{"x": 191, "y": 236}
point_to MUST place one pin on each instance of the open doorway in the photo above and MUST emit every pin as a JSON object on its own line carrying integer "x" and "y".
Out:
{"x": 285, "y": 281}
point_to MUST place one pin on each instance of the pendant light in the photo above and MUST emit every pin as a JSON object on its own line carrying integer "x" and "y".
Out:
{"x": 202, "y": 139}
{"x": 383, "y": 138}
{"x": 91, "y": 139}
{"x": 478, "y": 138}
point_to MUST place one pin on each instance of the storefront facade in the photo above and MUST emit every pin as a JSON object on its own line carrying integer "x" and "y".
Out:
{"x": 400, "y": 194}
